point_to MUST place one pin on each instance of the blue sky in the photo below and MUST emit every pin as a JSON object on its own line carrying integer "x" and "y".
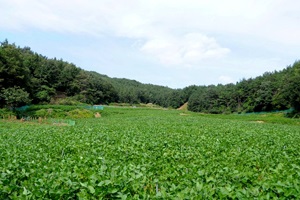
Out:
{"x": 174, "y": 43}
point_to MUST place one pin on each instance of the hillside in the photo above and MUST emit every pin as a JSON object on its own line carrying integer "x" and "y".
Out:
{"x": 27, "y": 77}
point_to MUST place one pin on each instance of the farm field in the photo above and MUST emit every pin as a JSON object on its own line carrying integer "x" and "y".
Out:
{"x": 142, "y": 153}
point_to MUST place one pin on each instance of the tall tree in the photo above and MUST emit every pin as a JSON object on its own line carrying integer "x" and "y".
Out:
{"x": 15, "y": 97}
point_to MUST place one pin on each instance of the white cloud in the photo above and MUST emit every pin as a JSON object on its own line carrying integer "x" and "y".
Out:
{"x": 148, "y": 21}
{"x": 135, "y": 18}
{"x": 187, "y": 50}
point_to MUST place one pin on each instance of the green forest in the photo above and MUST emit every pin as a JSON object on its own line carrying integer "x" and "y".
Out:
{"x": 27, "y": 77}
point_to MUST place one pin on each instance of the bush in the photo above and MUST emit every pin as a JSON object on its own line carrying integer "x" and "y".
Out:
{"x": 49, "y": 113}
{"x": 5, "y": 113}
{"x": 80, "y": 113}
{"x": 15, "y": 97}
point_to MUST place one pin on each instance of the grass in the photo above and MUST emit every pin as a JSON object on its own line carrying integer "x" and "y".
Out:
{"x": 273, "y": 118}
{"x": 142, "y": 153}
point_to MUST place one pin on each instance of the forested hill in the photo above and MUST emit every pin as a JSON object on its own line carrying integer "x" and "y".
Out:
{"x": 27, "y": 77}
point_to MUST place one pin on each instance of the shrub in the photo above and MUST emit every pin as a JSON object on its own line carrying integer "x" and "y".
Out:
{"x": 80, "y": 113}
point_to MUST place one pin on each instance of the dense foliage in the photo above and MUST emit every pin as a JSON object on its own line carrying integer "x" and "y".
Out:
{"x": 269, "y": 92}
{"x": 26, "y": 77}
{"x": 25, "y": 73}
{"x": 146, "y": 154}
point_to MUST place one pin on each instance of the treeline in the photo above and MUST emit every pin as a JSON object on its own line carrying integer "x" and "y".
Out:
{"x": 30, "y": 78}
{"x": 131, "y": 91}
{"x": 269, "y": 92}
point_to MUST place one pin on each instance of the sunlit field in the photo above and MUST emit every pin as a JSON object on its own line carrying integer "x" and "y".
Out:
{"x": 142, "y": 153}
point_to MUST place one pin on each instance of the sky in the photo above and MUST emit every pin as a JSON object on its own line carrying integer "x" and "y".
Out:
{"x": 174, "y": 43}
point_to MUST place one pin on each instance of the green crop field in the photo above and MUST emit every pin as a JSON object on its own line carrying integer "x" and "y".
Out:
{"x": 141, "y": 153}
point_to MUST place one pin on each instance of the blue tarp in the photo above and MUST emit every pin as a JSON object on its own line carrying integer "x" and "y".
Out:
{"x": 95, "y": 107}
{"x": 22, "y": 109}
